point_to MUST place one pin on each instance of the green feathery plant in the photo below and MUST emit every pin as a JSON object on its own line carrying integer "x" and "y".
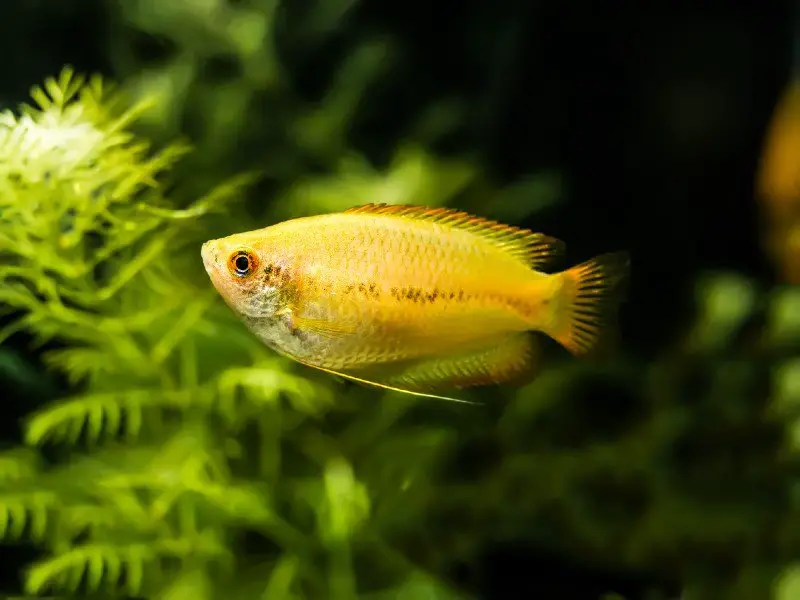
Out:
{"x": 221, "y": 75}
{"x": 172, "y": 452}
{"x": 255, "y": 114}
{"x": 192, "y": 462}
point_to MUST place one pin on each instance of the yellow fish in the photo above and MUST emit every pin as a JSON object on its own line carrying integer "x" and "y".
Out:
{"x": 411, "y": 298}
{"x": 778, "y": 185}
{"x": 779, "y": 172}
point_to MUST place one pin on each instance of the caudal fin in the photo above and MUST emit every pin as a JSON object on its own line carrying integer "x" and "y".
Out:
{"x": 587, "y": 305}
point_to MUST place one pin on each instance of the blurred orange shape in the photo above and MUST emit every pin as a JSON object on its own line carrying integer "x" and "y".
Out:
{"x": 778, "y": 183}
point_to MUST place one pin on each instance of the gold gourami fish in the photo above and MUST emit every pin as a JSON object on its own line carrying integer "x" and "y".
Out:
{"x": 410, "y": 298}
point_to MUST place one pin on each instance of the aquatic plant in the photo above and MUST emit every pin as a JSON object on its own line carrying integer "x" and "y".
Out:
{"x": 189, "y": 461}
{"x": 234, "y": 75}
{"x": 170, "y": 457}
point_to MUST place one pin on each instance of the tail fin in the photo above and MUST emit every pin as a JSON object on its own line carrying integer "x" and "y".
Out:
{"x": 588, "y": 302}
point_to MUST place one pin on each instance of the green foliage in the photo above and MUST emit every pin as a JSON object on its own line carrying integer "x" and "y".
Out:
{"x": 688, "y": 474}
{"x": 191, "y": 462}
{"x": 221, "y": 75}
{"x": 172, "y": 446}
{"x": 255, "y": 94}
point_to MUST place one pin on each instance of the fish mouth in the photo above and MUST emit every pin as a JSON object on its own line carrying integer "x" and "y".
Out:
{"x": 209, "y": 252}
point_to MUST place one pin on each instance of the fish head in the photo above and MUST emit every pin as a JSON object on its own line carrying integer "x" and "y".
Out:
{"x": 235, "y": 265}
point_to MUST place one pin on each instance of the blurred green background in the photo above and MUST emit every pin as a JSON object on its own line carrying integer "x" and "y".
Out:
{"x": 153, "y": 448}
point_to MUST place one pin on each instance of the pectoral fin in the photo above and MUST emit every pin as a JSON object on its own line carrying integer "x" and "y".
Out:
{"x": 321, "y": 327}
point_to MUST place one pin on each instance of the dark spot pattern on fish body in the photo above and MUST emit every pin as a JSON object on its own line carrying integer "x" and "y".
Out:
{"x": 276, "y": 275}
{"x": 414, "y": 294}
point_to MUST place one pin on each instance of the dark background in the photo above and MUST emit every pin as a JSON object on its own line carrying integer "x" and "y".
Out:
{"x": 654, "y": 111}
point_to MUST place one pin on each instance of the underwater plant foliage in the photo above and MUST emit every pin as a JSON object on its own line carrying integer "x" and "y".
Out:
{"x": 172, "y": 455}
{"x": 233, "y": 77}
{"x": 191, "y": 462}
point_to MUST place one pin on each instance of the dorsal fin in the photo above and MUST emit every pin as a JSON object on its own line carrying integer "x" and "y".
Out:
{"x": 535, "y": 249}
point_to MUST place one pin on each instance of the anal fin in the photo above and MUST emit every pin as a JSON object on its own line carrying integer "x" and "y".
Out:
{"x": 513, "y": 359}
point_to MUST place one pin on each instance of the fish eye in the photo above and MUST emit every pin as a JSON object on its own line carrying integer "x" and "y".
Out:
{"x": 243, "y": 263}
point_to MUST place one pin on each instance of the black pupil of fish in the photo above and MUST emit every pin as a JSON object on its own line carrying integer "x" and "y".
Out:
{"x": 242, "y": 264}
